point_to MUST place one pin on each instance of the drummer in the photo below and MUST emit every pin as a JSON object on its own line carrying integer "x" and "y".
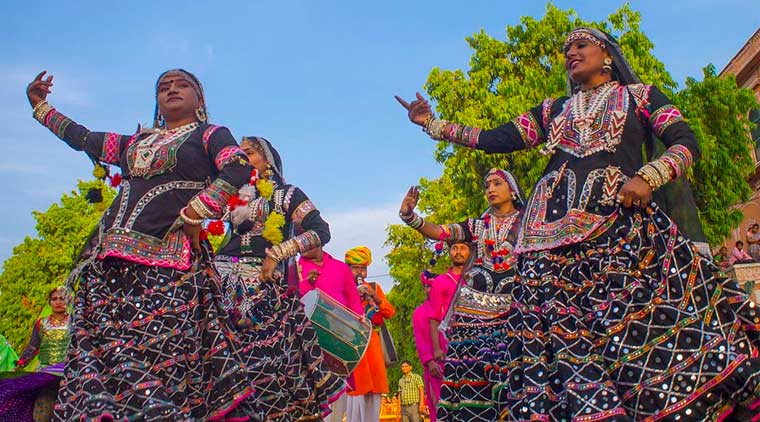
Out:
{"x": 370, "y": 375}
{"x": 319, "y": 270}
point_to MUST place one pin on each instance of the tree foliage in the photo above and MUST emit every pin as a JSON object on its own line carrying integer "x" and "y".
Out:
{"x": 508, "y": 77}
{"x": 718, "y": 113}
{"x": 42, "y": 262}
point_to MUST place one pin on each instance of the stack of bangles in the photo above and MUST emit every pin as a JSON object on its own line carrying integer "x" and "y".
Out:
{"x": 412, "y": 220}
{"x": 434, "y": 127}
{"x": 190, "y": 221}
{"x": 41, "y": 110}
{"x": 282, "y": 251}
{"x": 656, "y": 174}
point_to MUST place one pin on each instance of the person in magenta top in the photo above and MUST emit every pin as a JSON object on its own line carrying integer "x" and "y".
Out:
{"x": 442, "y": 289}
{"x": 432, "y": 375}
{"x": 319, "y": 270}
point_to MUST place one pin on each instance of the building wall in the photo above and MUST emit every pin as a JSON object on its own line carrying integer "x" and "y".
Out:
{"x": 746, "y": 67}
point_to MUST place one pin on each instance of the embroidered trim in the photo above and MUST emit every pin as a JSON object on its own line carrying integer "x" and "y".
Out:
{"x": 461, "y": 134}
{"x": 546, "y": 111}
{"x": 529, "y": 129}
{"x": 454, "y": 232}
{"x": 640, "y": 94}
{"x": 157, "y": 153}
{"x": 662, "y": 118}
{"x": 217, "y": 194}
{"x": 57, "y": 123}
{"x": 111, "y": 144}
{"x": 602, "y": 130}
{"x": 123, "y": 202}
{"x": 302, "y": 210}
{"x": 155, "y": 192}
{"x": 147, "y": 250}
{"x": 678, "y": 158}
{"x": 227, "y": 155}
{"x": 538, "y": 233}
{"x": 207, "y": 135}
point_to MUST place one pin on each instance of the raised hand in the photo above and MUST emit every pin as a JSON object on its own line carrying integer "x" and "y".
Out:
{"x": 419, "y": 110}
{"x": 409, "y": 203}
{"x": 39, "y": 88}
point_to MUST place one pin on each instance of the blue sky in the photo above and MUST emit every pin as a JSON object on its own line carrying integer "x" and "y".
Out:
{"x": 317, "y": 78}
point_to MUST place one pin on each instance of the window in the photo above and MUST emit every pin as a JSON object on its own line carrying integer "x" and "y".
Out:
{"x": 754, "y": 117}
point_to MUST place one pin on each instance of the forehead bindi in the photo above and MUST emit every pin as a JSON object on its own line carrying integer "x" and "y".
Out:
{"x": 494, "y": 178}
{"x": 169, "y": 79}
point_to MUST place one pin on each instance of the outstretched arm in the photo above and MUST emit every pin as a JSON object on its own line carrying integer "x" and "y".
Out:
{"x": 33, "y": 348}
{"x": 524, "y": 131}
{"x": 457, "y": 231}
{"x": 105, "y": 147}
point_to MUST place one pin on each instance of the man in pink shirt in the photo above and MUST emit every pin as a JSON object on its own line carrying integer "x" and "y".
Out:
{"x": 321, "y": 271}
{"x": 432, "y": 375}
{"x": 738, "y": 255}
{"x": 431, "y": 343}
{"x": 442, "y": 289}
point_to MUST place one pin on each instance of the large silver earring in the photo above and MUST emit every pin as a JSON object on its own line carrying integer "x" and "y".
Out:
{"x": 161, "y": 121}
{"x": 200, "y": 113}
{"x": 607, "y": 68}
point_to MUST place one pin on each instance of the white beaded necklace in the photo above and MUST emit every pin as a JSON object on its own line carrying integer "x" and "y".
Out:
{"x": 584, "y": 114}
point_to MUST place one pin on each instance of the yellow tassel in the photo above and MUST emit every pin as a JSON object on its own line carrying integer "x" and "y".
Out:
{"x": 273, "y": 228}
{"x": 265, "y": 188}
{"x": 99, "y": 172}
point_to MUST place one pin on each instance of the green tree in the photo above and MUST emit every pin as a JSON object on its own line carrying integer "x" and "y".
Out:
{"x": 42, "y": 262}
{"x": 718, "y": 113}
{"x": 508, "y": 77}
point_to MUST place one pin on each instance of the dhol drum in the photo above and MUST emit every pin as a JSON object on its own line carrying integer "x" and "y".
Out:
{"x": 342, "y": 334}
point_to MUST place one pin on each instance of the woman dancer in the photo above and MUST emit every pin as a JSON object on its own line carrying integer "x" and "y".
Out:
{"x": 287, "y": 370}
{"x": 481, "y": 321}
{"x": 149, "y": 341}
{"x": 32, "y": 396}
{"x": 621, "y": 319}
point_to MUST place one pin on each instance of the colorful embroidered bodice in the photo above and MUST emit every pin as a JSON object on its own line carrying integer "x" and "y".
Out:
{"x": 595, "y": 140}
{"x": 246, "y": 238}
{"x": 55, "y": 341}
{"x": 162, "y": 172}
{"x": 494, "y": 238}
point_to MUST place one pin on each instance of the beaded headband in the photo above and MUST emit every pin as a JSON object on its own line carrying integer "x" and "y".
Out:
{"x": 583, "y": 34}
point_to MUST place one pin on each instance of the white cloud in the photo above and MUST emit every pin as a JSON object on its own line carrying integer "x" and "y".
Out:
{"x": 363, "y": 226}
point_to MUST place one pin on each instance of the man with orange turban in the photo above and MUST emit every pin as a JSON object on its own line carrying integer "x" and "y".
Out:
{"x": 370, "y": 377}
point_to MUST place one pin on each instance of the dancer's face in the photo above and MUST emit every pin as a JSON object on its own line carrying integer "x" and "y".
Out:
{"x": 58, "y": 302}
{"x": 584, "y": 60}
{"x": 255, "y": 156}
{"x": 459, "y": 252}
{"x": 177, "y": 99}
{"x": 498, "y": 192}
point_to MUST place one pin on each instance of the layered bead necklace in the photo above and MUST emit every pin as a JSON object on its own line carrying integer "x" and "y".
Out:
{"x": 586, "y": 107}
{"x": 495, "y": 243}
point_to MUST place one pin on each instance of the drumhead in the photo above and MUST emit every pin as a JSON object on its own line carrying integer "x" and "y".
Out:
{"x": 309, "y": 301}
